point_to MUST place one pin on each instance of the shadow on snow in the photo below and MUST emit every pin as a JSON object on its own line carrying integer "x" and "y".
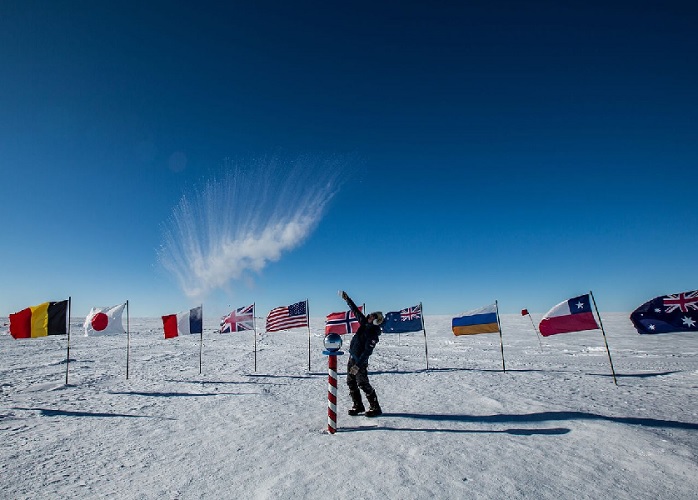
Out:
{"x": 518, "y": 370}
{"x": 546, "y": 416}
{"x": 176, "y": 394}
{"x": 308, "y": 376}
{"x": 46, "y": 412}
{"x": 517, "y": 432}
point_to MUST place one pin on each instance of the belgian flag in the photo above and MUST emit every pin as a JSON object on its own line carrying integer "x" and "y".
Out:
{"x": 49, "y": 318}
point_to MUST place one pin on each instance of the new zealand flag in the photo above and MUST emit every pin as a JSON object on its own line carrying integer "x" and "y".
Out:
{"x": 668, "y": 313}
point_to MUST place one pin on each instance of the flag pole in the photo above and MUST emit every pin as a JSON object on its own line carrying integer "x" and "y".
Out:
{"x": 307, "y": 320}
{"x": 254, "y": 328}
{"x": 67, "y": 357}
{"x": 128, "y": 338}
{"x": 535, "y": 330}
{"x": 201, "y": 339}
{"x": 501, "y": 343}
{"x": 613, "y": 371}
{"x": 426, "y": 351}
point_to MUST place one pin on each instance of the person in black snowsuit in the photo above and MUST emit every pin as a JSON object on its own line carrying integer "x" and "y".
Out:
{"x": 360, "y": 349}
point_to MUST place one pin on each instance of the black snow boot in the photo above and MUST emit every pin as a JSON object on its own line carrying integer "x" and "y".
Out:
{"x": 374, "y": 408}
{"x": 358, "y": 403}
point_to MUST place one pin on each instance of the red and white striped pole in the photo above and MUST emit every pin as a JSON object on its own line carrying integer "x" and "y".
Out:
{"x": 331, "y": 393}
{"x": 333, "y": 344}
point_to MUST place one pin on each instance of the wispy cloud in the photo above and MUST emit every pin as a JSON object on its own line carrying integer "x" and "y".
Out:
{"x": 245, "y": 220}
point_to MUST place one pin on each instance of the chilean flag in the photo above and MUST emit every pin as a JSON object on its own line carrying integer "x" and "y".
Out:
{"x": 572, "y": 315}
{"x": 183, "y": 323}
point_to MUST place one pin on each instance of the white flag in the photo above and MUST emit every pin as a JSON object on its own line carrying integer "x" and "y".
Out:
{"x": 104, "y": 320}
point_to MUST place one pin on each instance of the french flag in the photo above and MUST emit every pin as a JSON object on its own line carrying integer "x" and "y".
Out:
{"x": 573, "y": 315}
{"x": 183, "y": 323}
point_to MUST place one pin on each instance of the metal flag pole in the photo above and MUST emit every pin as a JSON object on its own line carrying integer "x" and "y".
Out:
{"x": 307, "y": 320}
{"x": 201, "y": 339}
{"x": 398, "y": 341}
{"x": 613, "y": 371}
{"x": 67, "y": 358}
{"x": 128, "y": 338}
{"x": 254, "y": 327}
{"x": 535, "y": 329}
{"x": 426, "y": 349}
{"x": 501, "y": 343}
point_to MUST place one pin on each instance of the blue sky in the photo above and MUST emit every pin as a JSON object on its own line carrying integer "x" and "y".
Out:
{"x": 520, "y": 151}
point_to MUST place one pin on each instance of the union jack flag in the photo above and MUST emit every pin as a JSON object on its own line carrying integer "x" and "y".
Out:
{"x": 681, "y": 301}
{"x": 411, "y": 313}
{"x": 239, "y": 320}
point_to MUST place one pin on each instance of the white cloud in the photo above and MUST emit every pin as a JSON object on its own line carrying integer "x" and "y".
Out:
{"x": 243, "y": 222}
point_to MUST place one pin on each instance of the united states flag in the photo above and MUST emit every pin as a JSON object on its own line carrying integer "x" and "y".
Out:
{"x": 239, "y": 320}
{"x": 286, "y": 317}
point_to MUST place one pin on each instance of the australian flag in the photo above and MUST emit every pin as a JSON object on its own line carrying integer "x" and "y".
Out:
{"x": 668, "y": 313}
{"x": 406, "y": 320}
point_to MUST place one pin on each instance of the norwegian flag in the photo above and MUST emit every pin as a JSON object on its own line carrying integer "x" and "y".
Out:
{"x": 342, "y": 322}
{"x": 239, "y": 320}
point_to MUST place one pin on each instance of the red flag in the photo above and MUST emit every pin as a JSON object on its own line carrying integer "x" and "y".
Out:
{"x": 169, "y": 324}
{"x": 524, "y": 312}
{"x": 21, "y": 324}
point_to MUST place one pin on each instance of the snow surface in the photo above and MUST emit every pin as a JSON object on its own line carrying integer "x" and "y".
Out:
{"x": 553, "y": 426}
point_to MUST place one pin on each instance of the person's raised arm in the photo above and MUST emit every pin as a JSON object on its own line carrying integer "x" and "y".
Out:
{"x": 357, "y": 312}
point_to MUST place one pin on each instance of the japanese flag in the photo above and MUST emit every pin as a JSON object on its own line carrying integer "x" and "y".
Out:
{"x": 104, "y": 320}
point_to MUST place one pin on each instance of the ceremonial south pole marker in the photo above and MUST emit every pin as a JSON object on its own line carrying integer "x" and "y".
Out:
{"x": 333, "y": 343}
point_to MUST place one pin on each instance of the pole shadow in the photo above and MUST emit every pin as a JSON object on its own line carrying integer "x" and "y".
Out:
{"x": 556, "y": 431}
{"x": 213, "y": 382}
{"x": 443, "y": 370}
{"x": 634, "y": 375}
{"x": 176, "y": 394}
{"x": 309, "y": 376}
{"x": 47, "y": 412}
{"x": 547, "y": 416}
